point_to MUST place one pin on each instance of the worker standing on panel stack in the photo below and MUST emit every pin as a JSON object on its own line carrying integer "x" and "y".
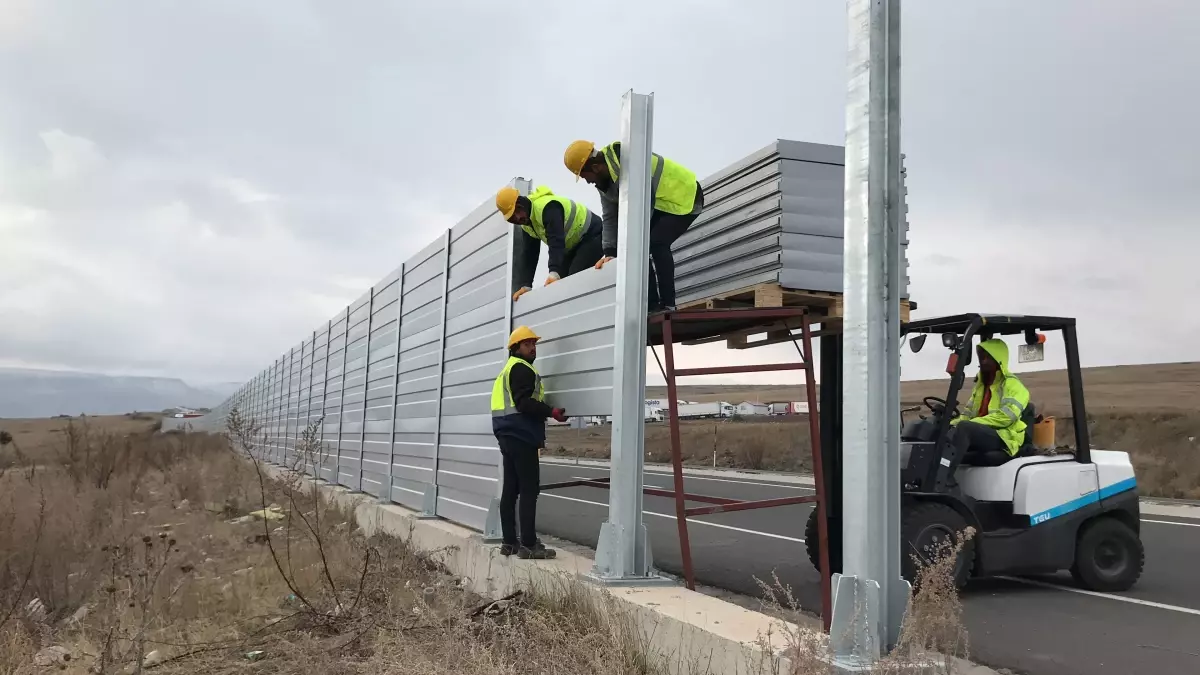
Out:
{"x": 677, "y": 200}
{"x": 570, "y": 231}
{"x": 519, "y": 413}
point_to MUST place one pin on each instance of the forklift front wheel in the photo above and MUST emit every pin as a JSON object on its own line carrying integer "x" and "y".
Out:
{"x": 1108, "y": 556}
{"x": 930, "y": 530}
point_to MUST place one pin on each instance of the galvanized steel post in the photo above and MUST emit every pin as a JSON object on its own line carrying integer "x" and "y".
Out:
{"x": 869, "y": 597}
{"x": 316, "y": 472}
{"x": 431, "y": 494}
{"x": 491, "y": 525}
{"x": 385, "y": 495}
{"x": 623, "y": 550}
{"x": 324, "y": 395}
{"x": 337, "y": 467}
{"x": 362, "y": 433}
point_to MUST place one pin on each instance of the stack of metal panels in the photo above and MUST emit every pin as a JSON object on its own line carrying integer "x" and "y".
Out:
{"x": 775, "y": 216}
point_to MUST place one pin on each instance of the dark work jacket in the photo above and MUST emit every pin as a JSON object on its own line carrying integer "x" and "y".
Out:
{"x": 529, "y": 425}
{"x": 527, "y": 249}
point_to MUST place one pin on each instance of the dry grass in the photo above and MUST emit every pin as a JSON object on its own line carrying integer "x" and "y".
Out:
{"x": 132, "y": 553}
{"x": 933, "y": 639}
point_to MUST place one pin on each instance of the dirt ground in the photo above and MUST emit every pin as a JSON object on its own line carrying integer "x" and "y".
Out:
{"x": 1151, "y": 412}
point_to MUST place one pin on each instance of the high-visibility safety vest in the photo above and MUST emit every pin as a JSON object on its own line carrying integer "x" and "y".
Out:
{"x": 672, "y": 186}
{"x": 507, "y": 421}
{"x": 575, "y": 216}
{"x": 1007, "y": 403}
{"x": 502, "y": 398}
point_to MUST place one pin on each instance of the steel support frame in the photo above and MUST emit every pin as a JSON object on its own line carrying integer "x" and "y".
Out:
{"x": 670, "y": 373}
{"x": 429, "y": 505}
{"x": 362, "y": 434}
{"x": 623, "y": 553}
{"x": 870, "y": 597}
{"x": 337, "y": 470}
{"x": 385, "y": 496}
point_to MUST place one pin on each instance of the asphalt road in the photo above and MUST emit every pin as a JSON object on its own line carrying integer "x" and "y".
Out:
{"x": 1042, "y": 626}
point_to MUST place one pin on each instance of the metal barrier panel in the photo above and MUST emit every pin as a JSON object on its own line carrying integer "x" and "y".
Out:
{"x": 354, "y": 391}
{"x": 331, "y": 429}
{"x": 417, "y": 376}
{"x": 305, "y": 394}
{"x": 380, "y": 384}
{"x": 474, "y": 336}
{"x": 575, "y": 317}
{"x": 775, "y": 216}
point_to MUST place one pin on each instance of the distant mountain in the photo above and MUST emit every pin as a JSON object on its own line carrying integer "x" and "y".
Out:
{"x": 45, "y": 393}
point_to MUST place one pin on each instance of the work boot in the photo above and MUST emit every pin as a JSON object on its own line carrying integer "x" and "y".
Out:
{"x": 537, "y": 552}
{"x": 508, "y": 549}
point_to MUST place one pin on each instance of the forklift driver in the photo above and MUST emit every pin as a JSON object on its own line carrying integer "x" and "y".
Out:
{"x": 990, "y": 430}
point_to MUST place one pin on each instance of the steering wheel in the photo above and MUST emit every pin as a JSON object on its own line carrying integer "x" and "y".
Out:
{"x": 937, "y": 406}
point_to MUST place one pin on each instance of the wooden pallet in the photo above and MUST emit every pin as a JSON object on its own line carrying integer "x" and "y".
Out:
{"x": 824, "y": 307}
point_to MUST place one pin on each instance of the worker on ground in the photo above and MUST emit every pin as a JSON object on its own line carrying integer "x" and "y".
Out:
{"x": 519, "y": 415}
{"x": 675, "y": 194}
{"x": 992, "y": 420}
{"x": 566, "y": 227}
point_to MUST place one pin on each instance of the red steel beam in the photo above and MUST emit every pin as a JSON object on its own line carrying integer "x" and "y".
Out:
{"x": 746, "y": 506}
{"x": 723, "y": 370}
{"x": 685, "y": 544}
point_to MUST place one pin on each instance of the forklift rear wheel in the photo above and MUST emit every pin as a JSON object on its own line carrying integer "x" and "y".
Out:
{"x": 925, "y": 529}
{"x": 1108, "y": 556}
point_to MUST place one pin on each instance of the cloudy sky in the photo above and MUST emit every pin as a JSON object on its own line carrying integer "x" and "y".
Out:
{"x": 187, "y": 188}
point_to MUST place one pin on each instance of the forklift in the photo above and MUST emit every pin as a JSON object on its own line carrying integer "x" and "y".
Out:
{"x": 1033, "y": 513}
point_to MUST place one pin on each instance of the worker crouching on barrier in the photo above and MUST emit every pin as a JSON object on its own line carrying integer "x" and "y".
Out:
{"x": 675, "y": 194}
{"x": 566, "y": 227}
{"x": 519, "y": 415}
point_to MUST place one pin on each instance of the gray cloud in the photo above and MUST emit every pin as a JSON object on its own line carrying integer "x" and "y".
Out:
{"x": 186, "y": 188}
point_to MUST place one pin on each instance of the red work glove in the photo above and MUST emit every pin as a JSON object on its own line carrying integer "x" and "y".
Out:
{"x": 559, "y": 414}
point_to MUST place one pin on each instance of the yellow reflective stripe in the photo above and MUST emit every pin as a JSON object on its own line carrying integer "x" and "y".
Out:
{"x": 614, "y": 162}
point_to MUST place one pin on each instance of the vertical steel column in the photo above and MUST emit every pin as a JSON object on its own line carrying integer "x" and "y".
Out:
{"x": 337, "y": 472}
{"x": 623, "y": 550}
{"x": 869, "y": 597}
{"x": 287, "y": 407}
{"x": 362, "y": 434}
{"x": 324, "y": 395}
{"x": 316, "y": 472}
{"x": 491, "y": 525}
{"x": 430, "y": 501}
{"x": 386, "y": 495}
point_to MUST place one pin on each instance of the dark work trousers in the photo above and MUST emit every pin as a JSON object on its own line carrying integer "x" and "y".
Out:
{"x": 521, "y": 479}
{"x": 585, "y": 254}
{"x": 665, "y": 228}
{"x": 978, "y": 445}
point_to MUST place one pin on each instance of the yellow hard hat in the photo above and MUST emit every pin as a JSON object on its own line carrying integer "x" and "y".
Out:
{"x": 577, "y": 155}
{"x": 521, "y": 334}
{"x": 506, "y": 201}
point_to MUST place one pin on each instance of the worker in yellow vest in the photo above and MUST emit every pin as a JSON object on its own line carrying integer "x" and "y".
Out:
{"x": 519, "y": 413}
{"x": 568, "y": 229}
{"x": 675, "y": 194}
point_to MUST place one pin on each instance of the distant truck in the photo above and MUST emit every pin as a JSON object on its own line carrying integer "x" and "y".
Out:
{"x": 653, "y": 413}
{"x": 702, "y": 410}
{"x": 789, "y": 408}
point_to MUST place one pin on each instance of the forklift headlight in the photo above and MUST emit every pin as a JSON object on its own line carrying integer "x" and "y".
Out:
{"x": 949, "y": 340}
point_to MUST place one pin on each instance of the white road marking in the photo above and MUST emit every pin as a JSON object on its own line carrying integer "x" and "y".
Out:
{"x": 1107, "y": 596}
{"x": 1170, "y": 522}
{"x": 716, "y": 480}
{"x": 691, "y": 521}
